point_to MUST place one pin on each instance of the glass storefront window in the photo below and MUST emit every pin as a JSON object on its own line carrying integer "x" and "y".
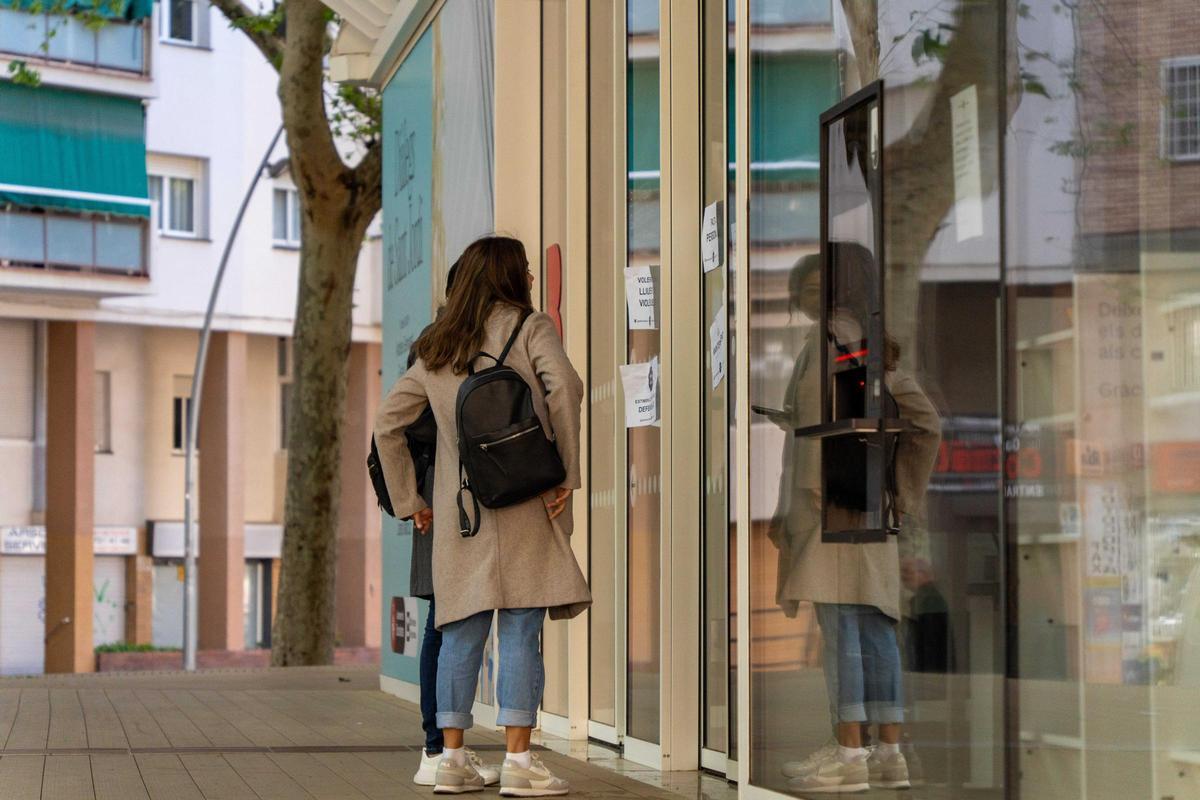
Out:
{"x": 642, "y": 208}
{"x": 897, "y": 642}
{"x": 1102, "y": 456}
{"x": 605, "y": 304}
{"x": 1041, "y": 272}
{"x": 719, "y": 682}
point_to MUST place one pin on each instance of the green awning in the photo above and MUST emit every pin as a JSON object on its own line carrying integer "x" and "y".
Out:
{"x": 129, "y": 10}
{"x": 72, "y": 150}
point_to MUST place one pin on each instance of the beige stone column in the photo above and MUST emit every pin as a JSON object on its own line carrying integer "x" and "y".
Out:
{"x": 70, "y": 495}
{"x": 358, "y": 560}
{"x": 222, "y": 495}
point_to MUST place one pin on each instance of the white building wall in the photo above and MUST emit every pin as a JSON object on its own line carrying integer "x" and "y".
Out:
{"x": 218, "y": 105}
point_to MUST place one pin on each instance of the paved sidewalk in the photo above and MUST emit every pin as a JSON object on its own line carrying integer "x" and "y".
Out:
{"x": 325, "y": 732}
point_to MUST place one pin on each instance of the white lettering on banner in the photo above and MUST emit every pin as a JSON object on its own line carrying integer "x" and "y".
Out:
{"x": 115, "y": 541}
{"x": 640, "y": 382}
{"x": 641, "y": 298}
{"x": 30, "y": 540}
{"x": 712, "y": 244}
{"x": 968, "y": 185}
{"x": 27, "y": 540}
{"x": 716, "y": 347}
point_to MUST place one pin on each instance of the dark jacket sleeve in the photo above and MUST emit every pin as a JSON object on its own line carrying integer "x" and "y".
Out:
{"x": 399, "y": 410}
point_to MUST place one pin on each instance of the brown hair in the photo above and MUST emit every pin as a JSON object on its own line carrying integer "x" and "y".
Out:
{"x": 490, "y": 272}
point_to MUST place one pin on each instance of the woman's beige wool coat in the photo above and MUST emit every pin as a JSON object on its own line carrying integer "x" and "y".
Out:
{"x": 520, "y": 558}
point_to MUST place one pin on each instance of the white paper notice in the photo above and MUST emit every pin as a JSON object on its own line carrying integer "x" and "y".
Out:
{"x": 968, "y": 188}
{"x": 712, "y": 243}
{"x": 640, "y": 382}
{"x": 716, "y": 347}
{"x": 640, "y": 298}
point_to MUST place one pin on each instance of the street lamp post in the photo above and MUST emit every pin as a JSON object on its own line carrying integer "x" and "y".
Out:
{"x": 193, "y": 423}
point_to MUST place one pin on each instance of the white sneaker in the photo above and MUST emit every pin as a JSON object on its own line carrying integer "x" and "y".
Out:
{"x": 489, "y": 773}
{"x": 888, "y": 771}
{"x": 798, "y": 769}
{"x": 453, "y": 778}
{"x": 832, "y": 775}
{"x": 427, "y": 772}
{"x": 537, "y": 781}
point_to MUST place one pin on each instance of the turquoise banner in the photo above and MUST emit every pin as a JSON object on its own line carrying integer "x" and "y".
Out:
{"x": 407, "y": 306}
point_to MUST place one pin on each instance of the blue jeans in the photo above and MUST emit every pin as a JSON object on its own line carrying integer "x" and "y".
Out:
{"x": 430, "y": 647}
{"x": 522, "y": 675}
{"x": 862, "y": 664}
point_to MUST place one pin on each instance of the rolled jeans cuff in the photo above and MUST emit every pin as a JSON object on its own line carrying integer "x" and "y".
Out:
{"x": 853, "y": 712}
{"x": 454, "y": 719}
{"x": 516, "y": 718}
{"x": 885, "y": 713}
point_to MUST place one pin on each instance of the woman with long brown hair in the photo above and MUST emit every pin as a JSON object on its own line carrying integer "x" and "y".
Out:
{"x": 520, "y": 564}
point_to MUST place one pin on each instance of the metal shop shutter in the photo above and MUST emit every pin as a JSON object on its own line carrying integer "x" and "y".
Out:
{"x": 108, "y": 600}
{"x": 22, "y": 614}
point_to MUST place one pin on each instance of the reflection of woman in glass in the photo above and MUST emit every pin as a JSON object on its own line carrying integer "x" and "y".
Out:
{"x": 855, "y": 588}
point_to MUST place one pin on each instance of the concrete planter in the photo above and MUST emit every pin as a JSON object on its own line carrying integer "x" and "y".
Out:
{"x": 218, "y": 659}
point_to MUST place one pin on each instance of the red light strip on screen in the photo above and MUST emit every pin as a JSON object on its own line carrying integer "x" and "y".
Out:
{"x": 849, "y": 356}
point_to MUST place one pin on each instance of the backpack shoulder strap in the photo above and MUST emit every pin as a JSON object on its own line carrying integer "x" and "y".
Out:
{"x": 512, "y": 339}
{"x": 508, "y": 346}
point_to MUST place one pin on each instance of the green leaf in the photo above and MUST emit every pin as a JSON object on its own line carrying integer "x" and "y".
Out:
{"x": 23, "y": 75}
{"x": 1034, "y": 86}
{"x": 918, "y": 49}
{"x": 929, "y": 45}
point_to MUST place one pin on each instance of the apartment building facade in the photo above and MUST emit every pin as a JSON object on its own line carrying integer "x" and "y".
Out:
{"x": 122, "y": 174}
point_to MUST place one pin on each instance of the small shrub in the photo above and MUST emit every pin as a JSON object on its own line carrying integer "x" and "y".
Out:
{"x": 126, "y": 647}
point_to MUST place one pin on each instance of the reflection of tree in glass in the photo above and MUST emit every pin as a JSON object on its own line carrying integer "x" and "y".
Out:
{"x": 919, "y": 179}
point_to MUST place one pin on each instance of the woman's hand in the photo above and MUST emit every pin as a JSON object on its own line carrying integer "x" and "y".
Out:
{"x": 556, "y": 501}
{"x": 423, "y": 519}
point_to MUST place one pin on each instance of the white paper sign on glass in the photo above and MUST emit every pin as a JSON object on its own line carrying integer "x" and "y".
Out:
{"x": 640, "y": 298}
{"x": 640, "y": 382}
{"x": 968, "y": 184}
{"x": 716, "y": 347}
{"x": 712, "y": 242}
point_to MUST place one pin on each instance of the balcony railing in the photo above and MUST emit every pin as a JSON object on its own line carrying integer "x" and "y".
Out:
{"x": 96, "y": 245}
{"x": 116, "y": 45}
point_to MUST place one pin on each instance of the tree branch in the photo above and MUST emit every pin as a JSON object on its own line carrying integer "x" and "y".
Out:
{"x": 368, "y": 181}
{"x": 240, "y": 16}
{"x": 316, "y": 165}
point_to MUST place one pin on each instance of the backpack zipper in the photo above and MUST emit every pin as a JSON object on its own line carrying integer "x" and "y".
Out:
{"x": 485, "y": 445}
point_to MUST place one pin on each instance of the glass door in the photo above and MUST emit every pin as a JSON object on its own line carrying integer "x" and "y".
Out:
{"x": 718, "y": 693}
{"x": 606, "y": 306}
{"x": 643, "y": 347}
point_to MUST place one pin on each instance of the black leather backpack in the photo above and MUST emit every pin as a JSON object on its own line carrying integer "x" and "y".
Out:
{"x": 504, "y": 454}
